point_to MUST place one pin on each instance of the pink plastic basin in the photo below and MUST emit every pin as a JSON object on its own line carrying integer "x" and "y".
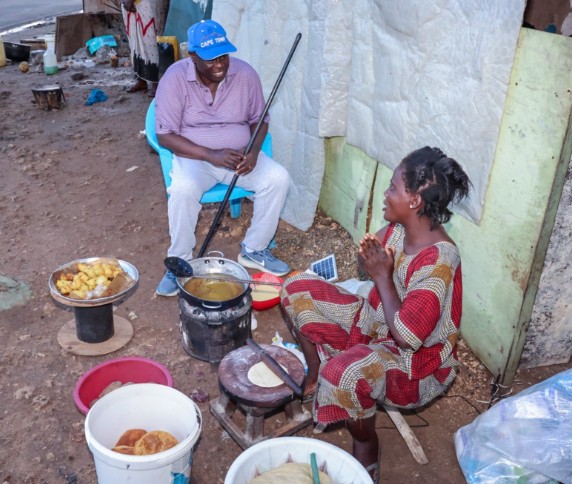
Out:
{"x": 132, "y": 369}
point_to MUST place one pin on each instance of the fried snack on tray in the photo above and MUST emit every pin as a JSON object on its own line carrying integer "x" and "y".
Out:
{"x": 91, "y": 280}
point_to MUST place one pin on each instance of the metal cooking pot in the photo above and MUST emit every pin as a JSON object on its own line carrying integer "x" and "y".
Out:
{"x": 209, "y": 266}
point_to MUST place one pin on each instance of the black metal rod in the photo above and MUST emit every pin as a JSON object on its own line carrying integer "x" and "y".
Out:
{"x": 216, "y": 221}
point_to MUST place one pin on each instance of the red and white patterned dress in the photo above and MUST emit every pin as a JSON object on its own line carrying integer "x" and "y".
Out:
{"x": 361, "y": 363}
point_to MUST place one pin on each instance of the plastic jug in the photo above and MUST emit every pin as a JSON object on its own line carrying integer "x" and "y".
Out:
{"x": 2, "y": 54}
{"x": 50, "y": 60}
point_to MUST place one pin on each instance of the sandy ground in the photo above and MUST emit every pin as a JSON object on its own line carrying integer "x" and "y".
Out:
{"x": 82, "y": 182}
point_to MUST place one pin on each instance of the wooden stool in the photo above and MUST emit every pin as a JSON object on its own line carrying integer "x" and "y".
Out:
{"x": 237, "y": 391}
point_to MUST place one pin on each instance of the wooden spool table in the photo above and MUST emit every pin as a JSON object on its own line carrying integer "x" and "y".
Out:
{"x": 95, "y": 330}
{"x": 237, "y": 391}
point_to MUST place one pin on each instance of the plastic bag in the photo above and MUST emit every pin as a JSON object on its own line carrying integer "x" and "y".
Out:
{"x": 355, "y": 286}
{"x": 526, "y": 438}
{"x": 96, "y": 96}
{"x": 103, "y": 54}
{"x": 94, "y": 44}
{"x": 291, "y": 347}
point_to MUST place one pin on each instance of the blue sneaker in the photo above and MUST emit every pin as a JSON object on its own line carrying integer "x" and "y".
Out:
{"x": 263, "y": 260}
{"x": 168, "y": 285}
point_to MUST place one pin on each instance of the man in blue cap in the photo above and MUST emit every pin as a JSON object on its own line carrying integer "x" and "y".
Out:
{"x": 207, "y": 107}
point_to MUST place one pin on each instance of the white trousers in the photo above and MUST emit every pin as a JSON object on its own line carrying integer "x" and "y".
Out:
{"x": 191, "y": 178}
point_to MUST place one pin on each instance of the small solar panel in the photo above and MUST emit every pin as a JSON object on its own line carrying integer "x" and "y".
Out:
{"x": 326, "y": 268}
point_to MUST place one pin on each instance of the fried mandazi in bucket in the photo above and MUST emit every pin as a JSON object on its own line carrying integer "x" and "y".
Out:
{"x": 154, "y": 442}
{"x": 141, "y": 442}
{"x": 130, "y": 437}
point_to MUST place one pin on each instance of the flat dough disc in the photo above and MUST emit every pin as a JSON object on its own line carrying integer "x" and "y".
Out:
{"x": 262, "y": 376}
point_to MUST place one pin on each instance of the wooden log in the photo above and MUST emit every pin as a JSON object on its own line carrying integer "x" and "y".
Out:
{"x": 407, "y": 434}
{"x": 49, "y": 97}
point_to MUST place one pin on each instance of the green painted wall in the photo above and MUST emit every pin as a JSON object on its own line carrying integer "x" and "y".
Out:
{"x": 503, "y": 255}
{"x": 347, "y": 186}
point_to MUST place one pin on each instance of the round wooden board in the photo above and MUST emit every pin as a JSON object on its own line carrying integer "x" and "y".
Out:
{"x": 233, "y": 376}
{"x": 68, "y": 340}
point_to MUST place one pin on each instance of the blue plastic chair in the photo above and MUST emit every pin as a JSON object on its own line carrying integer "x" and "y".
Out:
{"x": 215, "y": 194}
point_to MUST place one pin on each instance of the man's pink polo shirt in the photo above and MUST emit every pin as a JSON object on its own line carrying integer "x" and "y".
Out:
{"x": 184, "y": 106}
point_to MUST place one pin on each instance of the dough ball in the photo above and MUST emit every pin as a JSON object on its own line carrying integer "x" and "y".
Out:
{"x": 264, "y": 292}
{"x": 290, "y": 473}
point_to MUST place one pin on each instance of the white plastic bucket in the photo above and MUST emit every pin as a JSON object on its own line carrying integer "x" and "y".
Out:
{"x": 148, "y": 406}
{"x": 342, "y": 467}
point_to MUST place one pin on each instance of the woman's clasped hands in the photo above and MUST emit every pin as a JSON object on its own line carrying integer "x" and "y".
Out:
{"x": 375, "y": 259}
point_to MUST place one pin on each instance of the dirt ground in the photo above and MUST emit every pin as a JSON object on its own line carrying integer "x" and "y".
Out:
{"x": 82, "y": 182}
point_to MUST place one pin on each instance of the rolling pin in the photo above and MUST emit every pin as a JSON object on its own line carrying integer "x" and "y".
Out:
{"x": 274, "y": 366}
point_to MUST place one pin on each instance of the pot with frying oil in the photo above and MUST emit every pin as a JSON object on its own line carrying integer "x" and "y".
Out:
{"x": 214, "y": 290}
{"x": 215, "y": 315}
{"x": 219, "y": 322}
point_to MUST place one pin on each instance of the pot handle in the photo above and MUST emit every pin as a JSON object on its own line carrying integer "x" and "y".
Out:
{"x": 206, "y": 306}
{"x": 215, "y": 252}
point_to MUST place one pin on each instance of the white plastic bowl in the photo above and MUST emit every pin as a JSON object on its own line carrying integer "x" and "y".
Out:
{"x": 342, "y": 467}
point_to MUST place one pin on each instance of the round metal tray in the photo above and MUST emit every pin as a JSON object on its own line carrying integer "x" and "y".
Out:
{"x": 130, "y": 269}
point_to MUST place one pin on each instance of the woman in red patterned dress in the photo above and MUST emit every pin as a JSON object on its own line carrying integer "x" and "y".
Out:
{"x": 398, "y": 345}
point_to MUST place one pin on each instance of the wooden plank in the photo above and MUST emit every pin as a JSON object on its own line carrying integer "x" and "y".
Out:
{"x": 254, "y": 427}
{"x": 101, "y": 6}
{"x": 69, "y": 34}
{"x": 233, "y": 430}
{"x": 255, "y": 424}
{"x": 290, "y": 428}
{"x": 73, "y": 31}
{"x": 407, "y": 434}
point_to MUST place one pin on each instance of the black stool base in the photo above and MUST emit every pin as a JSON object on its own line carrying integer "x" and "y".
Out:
{"x": 94, "y": 324}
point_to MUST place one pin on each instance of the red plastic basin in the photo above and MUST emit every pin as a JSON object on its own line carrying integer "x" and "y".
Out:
{"x": 263, "y": 277}
{"x": 132, "y": 369}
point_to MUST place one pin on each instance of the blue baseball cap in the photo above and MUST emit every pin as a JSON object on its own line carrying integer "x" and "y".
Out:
{"x": 208, "y": 40}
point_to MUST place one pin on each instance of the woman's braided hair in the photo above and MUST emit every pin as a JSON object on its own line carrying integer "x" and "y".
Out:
{"x": 438, "y": 179}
